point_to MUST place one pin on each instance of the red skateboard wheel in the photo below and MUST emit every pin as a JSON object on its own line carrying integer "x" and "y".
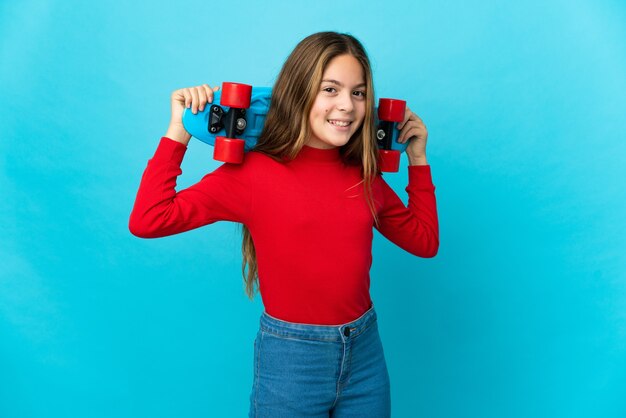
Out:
{"x": 229, "y": 150}
{"x": 236, "y": 95}
{"x": 389, "y": 160}
{"x": 391, "y": 110}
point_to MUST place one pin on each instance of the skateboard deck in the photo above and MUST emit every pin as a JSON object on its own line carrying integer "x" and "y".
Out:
{"x": 217, "y": 123}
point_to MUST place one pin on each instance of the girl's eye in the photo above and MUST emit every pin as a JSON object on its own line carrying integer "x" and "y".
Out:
{"x": 358, "y": 93}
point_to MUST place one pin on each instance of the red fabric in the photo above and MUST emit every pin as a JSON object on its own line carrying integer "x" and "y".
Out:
{"x": 312, "y": 228}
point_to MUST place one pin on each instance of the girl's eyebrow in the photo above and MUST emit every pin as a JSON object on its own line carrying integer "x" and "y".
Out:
{"x": 341, "y": 85}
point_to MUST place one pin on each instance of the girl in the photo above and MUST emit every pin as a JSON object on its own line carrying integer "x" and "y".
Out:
{"x": 307, "y": 196}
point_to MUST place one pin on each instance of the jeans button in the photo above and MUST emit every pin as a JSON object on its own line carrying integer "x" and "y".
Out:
{"x": 346, "y": 332}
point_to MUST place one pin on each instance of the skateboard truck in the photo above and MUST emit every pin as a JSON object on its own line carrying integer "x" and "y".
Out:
{"x": 236, "y": 96}
{"x": 390, "y": 112}
{"x": 234, "y": 120}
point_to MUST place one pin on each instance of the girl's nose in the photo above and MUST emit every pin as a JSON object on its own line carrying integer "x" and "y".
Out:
{"x": 345, "y": 103}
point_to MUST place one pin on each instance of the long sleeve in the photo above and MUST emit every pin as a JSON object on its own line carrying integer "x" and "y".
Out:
{"x": 159, "y": 210}
{"x": 416, "y": 228}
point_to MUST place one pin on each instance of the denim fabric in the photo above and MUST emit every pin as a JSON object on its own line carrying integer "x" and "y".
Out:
{"x": 304, "y": 370}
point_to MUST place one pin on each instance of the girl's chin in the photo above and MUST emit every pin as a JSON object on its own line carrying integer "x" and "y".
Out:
{"x": 327, "y": 143}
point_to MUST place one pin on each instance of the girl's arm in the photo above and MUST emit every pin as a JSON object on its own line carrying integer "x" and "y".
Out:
{"x": 159, "y": 210}
{"x": 223, "y": 194}
{"x": 414, "y": 228}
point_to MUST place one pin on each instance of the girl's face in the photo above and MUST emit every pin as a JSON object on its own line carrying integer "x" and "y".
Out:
{"x": 339, "y": 108}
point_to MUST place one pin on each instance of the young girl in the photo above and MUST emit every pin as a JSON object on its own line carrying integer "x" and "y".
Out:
{"x": 308, "y": 196}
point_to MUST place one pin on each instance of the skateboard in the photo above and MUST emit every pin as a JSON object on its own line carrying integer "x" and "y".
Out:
{"x": 233, "y": 122}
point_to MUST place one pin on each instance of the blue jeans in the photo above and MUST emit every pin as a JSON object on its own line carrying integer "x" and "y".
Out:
{"x": 303, "y": 370}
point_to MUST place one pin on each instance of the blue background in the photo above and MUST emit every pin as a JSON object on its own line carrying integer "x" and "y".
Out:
{"x": 521, "y": 314}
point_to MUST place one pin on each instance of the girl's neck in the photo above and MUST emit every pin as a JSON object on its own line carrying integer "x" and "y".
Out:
{"x": 310, "y": 153}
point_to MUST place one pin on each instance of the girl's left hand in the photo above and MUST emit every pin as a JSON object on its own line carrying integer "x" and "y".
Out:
{"x": 412, "y": 129}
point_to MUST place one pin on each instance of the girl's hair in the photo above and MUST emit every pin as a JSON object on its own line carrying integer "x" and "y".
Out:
{"x": 286, "y": 127}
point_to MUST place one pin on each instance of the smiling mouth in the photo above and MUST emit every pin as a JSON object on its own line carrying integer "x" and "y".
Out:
{"x": 339, "y": 123}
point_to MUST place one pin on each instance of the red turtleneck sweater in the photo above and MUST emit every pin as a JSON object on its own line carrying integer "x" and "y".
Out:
{"x": 311, "y": 226}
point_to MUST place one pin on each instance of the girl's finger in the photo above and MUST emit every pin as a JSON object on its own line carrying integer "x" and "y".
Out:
{"x": 407, "y": 117}
{"x": 409, "y": 124}
{"x": 202, "y": 98}
{"x": 413, "y": 116}
{"x": 415, "y": 121}
{"x": 209, "y": 93}
{"x": 194, "y": 100}
{"x": 187, "y": 96}
{"x": 412, "y": 131}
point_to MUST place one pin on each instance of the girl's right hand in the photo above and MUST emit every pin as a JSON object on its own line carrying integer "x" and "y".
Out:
{"x": 194, "y": 98}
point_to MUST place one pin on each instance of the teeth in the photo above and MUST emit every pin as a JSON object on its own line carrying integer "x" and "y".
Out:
{"x": 339, "y": 123}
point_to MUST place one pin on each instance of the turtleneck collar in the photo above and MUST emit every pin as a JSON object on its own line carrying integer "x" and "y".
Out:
{"x": 308, "y": 153}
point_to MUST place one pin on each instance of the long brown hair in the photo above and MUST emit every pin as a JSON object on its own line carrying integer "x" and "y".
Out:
{"x": 293, "y": 95}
